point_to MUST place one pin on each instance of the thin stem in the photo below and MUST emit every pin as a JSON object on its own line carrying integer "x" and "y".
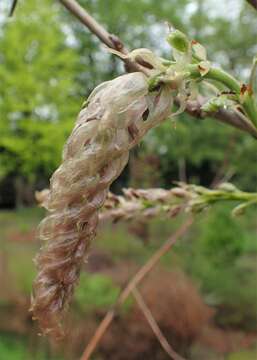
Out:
{"x": 228, "y": 117}
{"x": 216, "y": 74}
{"x": 225, "y": 78}
{"x": 154, "y": 326}
{"x": 13, "y": 7}
{"x": 235, "y": 120}
{"x": 230, "y": 82}
{"x": 93, "y": 25}
{"x": 136, "y": 279}
{"x": 110, "y": 40}
{"x": 216, "y": 195}
{"x": 253, "y": 3}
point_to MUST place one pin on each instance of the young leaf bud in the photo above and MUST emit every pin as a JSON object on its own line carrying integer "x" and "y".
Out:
{"x": 216, "y": 103}
{"x": 227, "y": 187}
{"x": 178, "y": 41}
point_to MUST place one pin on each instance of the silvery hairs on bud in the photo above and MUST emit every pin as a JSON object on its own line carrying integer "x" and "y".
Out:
{"x": 115, "y": 118}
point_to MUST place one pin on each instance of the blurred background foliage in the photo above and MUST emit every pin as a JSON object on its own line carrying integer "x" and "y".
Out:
{"x": 49, "y": 64}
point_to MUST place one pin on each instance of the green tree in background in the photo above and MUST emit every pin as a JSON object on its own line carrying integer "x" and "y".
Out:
{"x": 38, "y": 99}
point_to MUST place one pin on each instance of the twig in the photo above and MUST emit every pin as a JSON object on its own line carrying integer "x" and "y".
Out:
{"x": 110, "y": 40}
{"x": 14, "y": 4}
{"x": 233, "y": 119}
{"x": 225, "y": 116}
{"x": 154, "y": 326}
{"x": 136, "y": 279}
{"x": 253, "y": 3}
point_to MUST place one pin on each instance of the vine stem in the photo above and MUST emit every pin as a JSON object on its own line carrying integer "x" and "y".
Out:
{"x": 136, "y": 279}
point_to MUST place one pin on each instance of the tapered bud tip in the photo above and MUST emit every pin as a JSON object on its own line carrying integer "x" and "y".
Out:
{"x": 178, "y": 41}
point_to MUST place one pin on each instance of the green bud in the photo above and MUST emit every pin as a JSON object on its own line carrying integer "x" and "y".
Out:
{"x": 178, "y": 41}
{"x": 199, "y": 51}
{"x": 153, "y": 83}
{"x": 210, "y": 106}
{"x": 197, "y": 205}
{"x": 216, "y": 103}
{"x": 228, "y": 187}
{"x": 240, "y": 209}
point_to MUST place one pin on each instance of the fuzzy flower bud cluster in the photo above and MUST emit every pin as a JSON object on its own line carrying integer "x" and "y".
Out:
{"x": 142, "y": 204}
{"x": 117, "y": 115}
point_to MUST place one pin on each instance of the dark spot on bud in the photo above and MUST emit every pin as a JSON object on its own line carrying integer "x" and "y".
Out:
{"x": 135, "y": 194}
{"x": 239, "y": 108}
{"x": 228, "y": 92}
{"x": 116, "y": 42}
{"x": 243, "y": 89}
{"x": 145, "y": 115}
{"x": 91, "y": 118}
{"x": 201, "y": 68}
{"x": 142, "y": 62}
{"x": 246, "y": 88}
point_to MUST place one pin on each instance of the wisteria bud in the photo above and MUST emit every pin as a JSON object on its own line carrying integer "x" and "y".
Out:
{"x": 178, "y": 40}
{"x": 117, "y": 115}
{"x": 239, "y": 210}
{"x": 179, "y": 192}
{"x": 199, "y": 51}
{"x": 227, "y": 187}
{"x": 216, "y": 103}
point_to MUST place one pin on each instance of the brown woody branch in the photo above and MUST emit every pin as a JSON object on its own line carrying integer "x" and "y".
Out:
{"x": 110, "y": 40}
{"x": 225, "y": 116}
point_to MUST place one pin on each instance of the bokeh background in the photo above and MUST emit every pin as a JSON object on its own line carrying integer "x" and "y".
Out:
{"x": 203, "y": 293}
